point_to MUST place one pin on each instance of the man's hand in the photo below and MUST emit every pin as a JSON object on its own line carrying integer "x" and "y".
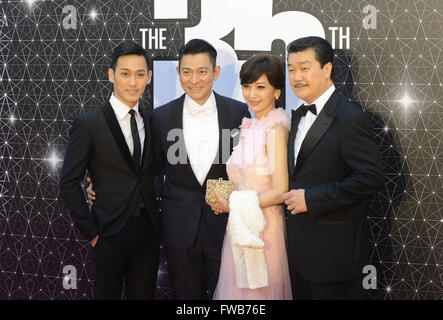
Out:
{"x": 295, "y": 200}
{"x": 94, "y": 241}
{"x": 90, "y": 192}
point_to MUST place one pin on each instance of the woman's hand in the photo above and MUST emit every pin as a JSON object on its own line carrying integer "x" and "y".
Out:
{"x": 219, "y": 206}
{"x": 90, "y": 192}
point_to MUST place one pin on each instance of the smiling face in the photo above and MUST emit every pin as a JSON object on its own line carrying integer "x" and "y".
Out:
{"x": 197, "y": 75}
{"x": 307, "y": 78}
{"x": 260, "y": 96}
{"x": 130, "y": 78}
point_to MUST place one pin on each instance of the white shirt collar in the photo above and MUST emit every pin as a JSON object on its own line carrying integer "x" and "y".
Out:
{"x": 120, "y": 108}
{"x": 210, "y": 103}
{"x": 321, "y": 101}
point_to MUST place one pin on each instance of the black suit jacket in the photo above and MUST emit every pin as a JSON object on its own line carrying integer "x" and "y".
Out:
{"x": 339, "y": 165}
{"x": 96, "y": 143}
{"x": 182, "y": 197}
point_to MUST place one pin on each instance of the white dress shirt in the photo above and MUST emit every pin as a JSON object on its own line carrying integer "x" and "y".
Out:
{"x": 306, "y": 122}
{"x": 200, "y": 131}
{"x": 121, "y": 111}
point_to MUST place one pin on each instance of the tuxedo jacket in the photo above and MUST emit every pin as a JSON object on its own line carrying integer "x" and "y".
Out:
{"x": 339, "y": 165}
{"x": 182, "y": 202}
{"x": 96, "y": 143}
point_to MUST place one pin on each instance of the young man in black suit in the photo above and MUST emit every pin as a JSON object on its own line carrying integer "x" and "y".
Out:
{"x": 113, "y": 142}
{"x": 188, "y": 134}
{"x": 334, "y": 164}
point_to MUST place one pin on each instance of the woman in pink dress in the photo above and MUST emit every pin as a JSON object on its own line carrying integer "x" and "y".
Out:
{"x": 259, "y": 163}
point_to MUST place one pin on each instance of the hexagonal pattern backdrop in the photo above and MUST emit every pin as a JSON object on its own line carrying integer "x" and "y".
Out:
{"x": 53, "y": 67}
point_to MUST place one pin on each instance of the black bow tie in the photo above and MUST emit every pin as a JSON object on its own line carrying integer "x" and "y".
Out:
{"x": 304, "y": 109}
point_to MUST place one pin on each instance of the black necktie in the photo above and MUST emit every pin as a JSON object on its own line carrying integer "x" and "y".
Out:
{"x": 304, "y": 109}
{"x": 136, "y": 139}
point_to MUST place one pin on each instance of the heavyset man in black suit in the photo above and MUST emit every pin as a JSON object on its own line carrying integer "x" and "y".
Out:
{"x": 113, "y": 142}
{"x": 334, "y": 164}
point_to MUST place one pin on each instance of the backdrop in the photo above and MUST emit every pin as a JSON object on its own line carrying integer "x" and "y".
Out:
{"x": 54, "y": 57}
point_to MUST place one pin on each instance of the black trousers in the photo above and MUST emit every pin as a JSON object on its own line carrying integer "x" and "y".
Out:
{"x": 193, "y": 272}
{"x": 130, "y": 257}
{"x": 346, "y": 290}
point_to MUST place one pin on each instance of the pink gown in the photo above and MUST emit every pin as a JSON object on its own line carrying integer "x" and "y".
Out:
{"x": 250, "y": 169}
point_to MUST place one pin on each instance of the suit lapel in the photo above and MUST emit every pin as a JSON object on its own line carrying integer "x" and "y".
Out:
{"x": 318, "y": 129}
{"x": 116, "y": 131}
{"x": 176, "y": 121}
{"x": 223, "y": 123}
{"x": 295, "y": 119}
{"x": 147, "y": 143}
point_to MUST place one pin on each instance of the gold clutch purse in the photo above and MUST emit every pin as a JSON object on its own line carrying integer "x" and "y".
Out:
{"x": 223, "y": 187}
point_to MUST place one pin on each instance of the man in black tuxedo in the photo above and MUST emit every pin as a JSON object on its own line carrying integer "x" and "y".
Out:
{"x": 113, "y": 142}
{"x": 191, "y": 146}
{"x": 334, "y": 164}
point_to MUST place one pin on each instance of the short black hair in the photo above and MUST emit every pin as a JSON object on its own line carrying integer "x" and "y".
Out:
{"x": 196, "y": 46}
{"x": 126, "y": 48}
{"x": 322, "y": 48}
{"x": 260, "y": 64}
